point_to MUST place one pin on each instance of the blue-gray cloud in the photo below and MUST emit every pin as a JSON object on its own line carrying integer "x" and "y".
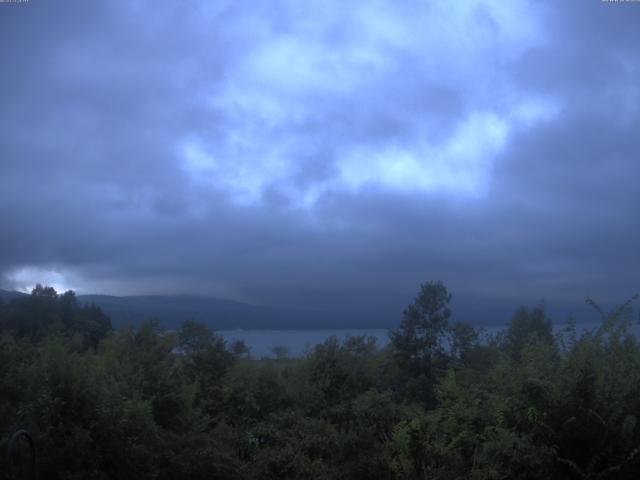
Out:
{"x": 329, "y": 153}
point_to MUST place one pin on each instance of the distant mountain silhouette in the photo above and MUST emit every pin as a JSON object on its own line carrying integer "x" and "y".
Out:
{"x": 6, "y": 295}
{"x": 221, "y": 314}
{"x": 173, "y": 310}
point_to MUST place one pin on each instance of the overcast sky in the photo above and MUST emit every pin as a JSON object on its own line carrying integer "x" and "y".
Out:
{"x": 321, "y": 153}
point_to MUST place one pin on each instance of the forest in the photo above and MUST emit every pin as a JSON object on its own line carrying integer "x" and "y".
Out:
{"x": 442, "y": 401}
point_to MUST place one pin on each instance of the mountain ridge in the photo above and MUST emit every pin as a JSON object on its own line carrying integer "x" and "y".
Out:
{"x": 225, "y": 314}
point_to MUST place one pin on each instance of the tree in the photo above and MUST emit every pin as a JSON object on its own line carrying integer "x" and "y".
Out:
{"x": 280, "y": 351}
{"x": 194, "y": 336}
{"x": 463, "y": 340}
{"x": 240, "y": 348}
{"x": 527, "y": 327}
{"x": 205, "y": 362}
{"x": 418, "y": 341}
{"x": 40, "y": 291}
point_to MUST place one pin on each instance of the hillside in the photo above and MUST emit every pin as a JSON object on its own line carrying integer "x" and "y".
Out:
{"x": 221, "y": 314}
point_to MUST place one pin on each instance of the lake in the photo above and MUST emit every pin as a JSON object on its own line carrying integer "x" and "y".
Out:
{"x": 296, "y": 341}
{"x": 261, "y": 342}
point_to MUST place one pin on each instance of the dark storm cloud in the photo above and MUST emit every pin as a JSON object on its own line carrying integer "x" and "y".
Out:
{"x": 325, "y": 155}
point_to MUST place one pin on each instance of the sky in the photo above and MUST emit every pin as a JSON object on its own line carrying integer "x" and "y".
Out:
{"x": 323, "y": 153}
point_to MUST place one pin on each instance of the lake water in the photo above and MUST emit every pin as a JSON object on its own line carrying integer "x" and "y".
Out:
{"x": 298, "y": 342}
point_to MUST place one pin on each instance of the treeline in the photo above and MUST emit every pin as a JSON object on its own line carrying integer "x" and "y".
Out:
{"x": 441, "y": 401}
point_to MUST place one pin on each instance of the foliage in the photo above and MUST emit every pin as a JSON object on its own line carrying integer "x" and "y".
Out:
{"x": 418, "y": 343}
{"x": 440, "y": 401}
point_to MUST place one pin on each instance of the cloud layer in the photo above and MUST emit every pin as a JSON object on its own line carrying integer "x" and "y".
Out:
{"x": 328, "y": 154}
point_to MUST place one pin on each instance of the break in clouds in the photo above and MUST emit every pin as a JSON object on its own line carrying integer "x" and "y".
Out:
{"x": 326, "y": 153}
